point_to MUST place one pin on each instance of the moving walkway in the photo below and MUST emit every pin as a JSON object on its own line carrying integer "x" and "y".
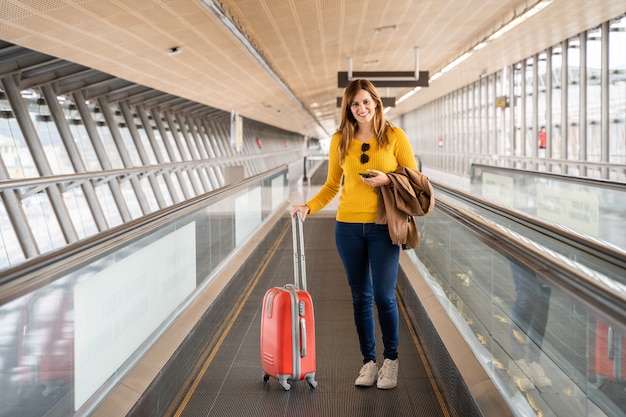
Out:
{"x": 161, "y": 318}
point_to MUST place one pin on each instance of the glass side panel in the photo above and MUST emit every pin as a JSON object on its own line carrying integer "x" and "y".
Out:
{"x": 548, "y": 352}
{"x": 594, "y": 211}
{"x": 66, "y": 344}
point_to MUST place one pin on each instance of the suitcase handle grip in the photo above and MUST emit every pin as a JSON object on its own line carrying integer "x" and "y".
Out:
{"x": 302, "y": 337}
{"x": 298, "y": 255}
{"x": 610, "y": 353}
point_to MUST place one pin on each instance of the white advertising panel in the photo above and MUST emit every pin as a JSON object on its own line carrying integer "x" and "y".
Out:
{"x": 499, "y": 189}
{"x": 118, "y": 308}
{"x": 247, "y": 214}
{"x": 578, "y": 210}
{"x": 278, "y": 191}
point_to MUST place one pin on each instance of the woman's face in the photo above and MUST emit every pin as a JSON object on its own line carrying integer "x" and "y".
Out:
{"x": 363, "y": 107}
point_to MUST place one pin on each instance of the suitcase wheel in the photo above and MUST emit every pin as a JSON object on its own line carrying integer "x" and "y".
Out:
{"x": 283, "y": 380}
{"x": 310, "y": 379}
{"x": 266, "y": 377}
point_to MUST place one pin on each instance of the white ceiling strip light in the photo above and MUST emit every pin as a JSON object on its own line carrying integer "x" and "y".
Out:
{"x": 540, "y": 5}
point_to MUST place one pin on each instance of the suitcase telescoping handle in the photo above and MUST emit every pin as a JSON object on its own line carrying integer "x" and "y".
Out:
{"x": 298, "y": 255}
{"x": 303, "y": 342}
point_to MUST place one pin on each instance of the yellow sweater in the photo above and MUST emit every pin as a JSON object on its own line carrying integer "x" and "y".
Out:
{"x": 358, "y": 202}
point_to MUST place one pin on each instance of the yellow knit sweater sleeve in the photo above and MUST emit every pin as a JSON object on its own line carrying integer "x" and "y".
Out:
{"x": 358, "y": 202}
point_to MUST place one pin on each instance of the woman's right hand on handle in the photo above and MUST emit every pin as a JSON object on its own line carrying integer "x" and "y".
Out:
{"x": 304, "y": 209}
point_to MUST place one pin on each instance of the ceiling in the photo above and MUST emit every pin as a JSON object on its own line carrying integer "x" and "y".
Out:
{"x": 305, "y": 43}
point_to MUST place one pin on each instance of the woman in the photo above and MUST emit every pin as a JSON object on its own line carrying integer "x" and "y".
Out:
{"x": 364, "y": 148}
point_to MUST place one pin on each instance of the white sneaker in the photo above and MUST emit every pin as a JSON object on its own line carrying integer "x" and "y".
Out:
{"x": 519, "y": 372}
{"x": 537, "y": 375}
{"x": 388, "y": 375}
{"x": 367, "y": 375}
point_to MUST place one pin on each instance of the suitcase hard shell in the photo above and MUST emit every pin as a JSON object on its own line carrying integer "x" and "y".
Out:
{"x": 610, "y": 359}
{"x": 288, "y": 326}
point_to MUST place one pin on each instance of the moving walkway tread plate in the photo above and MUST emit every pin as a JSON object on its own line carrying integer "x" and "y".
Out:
{"x": 233, "y": 385}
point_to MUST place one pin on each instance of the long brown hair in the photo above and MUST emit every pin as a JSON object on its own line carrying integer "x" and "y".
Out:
{"x": 349, "y": 123}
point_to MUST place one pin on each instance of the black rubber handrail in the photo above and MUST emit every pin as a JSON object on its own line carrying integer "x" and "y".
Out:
{"x": 586, "y": 181}
{"x": 39, "y": 271}
{"x": 607, "y": 253}
{"x": 602, "y": 295}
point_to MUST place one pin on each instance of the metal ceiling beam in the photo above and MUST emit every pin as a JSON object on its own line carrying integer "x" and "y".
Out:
{"x": 387, "y": 101}
{"x": 216, "y": 9}
{"x": 385, "y": 78}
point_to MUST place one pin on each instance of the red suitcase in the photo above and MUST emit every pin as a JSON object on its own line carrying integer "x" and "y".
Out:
{"x": 610, "y": 359}
{"x": 288, "y": 326}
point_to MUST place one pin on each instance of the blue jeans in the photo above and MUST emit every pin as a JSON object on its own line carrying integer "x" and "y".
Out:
{"x": 371, "y": 263}
{"x": 529, "y": 314}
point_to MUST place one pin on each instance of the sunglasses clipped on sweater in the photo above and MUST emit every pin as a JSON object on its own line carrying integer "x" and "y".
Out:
{"x": 364, "y": 148}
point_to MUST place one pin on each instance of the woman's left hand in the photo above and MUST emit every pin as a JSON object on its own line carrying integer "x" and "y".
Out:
{"x": 378, "y": 179}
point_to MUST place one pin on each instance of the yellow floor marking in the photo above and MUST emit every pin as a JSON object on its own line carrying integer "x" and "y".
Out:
{"x": 224, "y": 329}
{"x": 226, "y": 326}
{"x": 422, "y": 355}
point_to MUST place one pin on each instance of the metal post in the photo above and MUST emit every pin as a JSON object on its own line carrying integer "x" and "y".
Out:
{"x": 169, "y": 147}
{"x": 123, "y": 153}
{"x": 17, "y": 217}
{"x": 147, "y": 127}
{"x": 103, "y": 159}
{"x": 583, "y": 155}
{"x": 141, "y": 151}
{"x": 202, "y": 154}
{"x": 74, "y": 154}
{"x": 55, "y": 196}
{"x": 604, "y": 105}
{"x": 185, "y": 152}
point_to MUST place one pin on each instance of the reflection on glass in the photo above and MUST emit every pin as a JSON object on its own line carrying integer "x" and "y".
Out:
{"x": 545, "y": 349}
{"x": 36, "y": 358}
{"x": 589, "y": 209}
{"x": 80, "y": 334}
{"x": 528, "y": 326}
